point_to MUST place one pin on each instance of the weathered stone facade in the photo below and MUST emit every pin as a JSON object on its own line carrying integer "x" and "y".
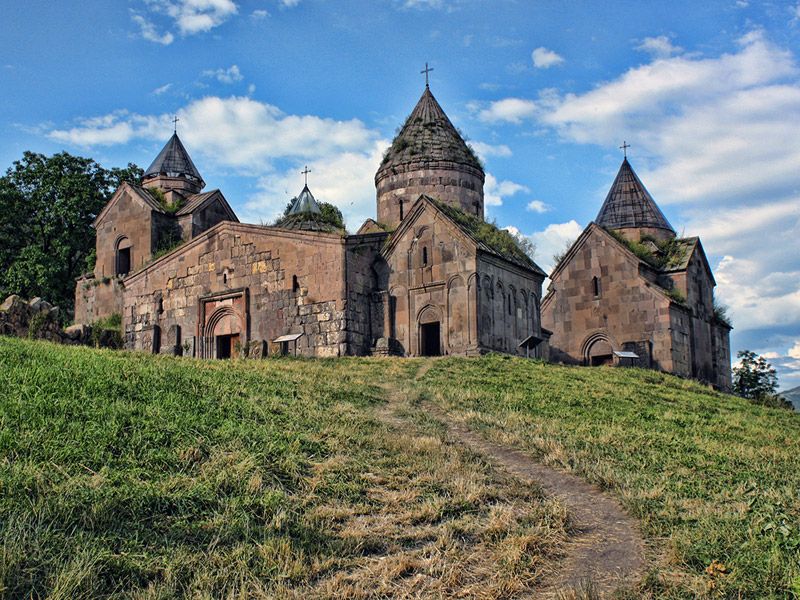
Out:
{"x": 608, "y": 305}
{"x": 410, "y": 285}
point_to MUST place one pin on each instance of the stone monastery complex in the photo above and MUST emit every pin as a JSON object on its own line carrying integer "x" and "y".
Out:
{"x": 428, "y": 277}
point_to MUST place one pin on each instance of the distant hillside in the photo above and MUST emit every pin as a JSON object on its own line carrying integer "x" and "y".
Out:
{"x": 124, "y": 475}
{"x": 793, "y": 396}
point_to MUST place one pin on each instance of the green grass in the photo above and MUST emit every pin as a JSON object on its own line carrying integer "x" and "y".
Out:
{"x": 133, "y": 476}
{"x": 710, "y": 477}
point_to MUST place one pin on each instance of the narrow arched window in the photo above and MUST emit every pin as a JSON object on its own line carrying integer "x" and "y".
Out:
{"x": 123, "y": 259}
{"x": 596, "y": 287}
{"x": 509, "y": 303}
{"x": 424, "y": 256}
{"x": 295, "y": 283}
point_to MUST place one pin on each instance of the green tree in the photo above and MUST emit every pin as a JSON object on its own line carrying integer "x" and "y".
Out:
{"x": 47, "y": 205}
{"x": 754, "y": 378}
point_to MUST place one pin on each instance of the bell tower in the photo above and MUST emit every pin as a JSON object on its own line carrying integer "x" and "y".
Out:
{"x": 173, "y": 172}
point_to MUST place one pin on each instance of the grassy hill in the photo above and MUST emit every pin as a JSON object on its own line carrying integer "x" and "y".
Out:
{"x": 123, "y": 475}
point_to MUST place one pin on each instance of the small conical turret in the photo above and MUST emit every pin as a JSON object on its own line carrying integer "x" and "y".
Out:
{"x": 429, "y": 157}
{"x": 173, "y": 170}
{"x": 306, "y": 215}
{"x": 630, "y": 209}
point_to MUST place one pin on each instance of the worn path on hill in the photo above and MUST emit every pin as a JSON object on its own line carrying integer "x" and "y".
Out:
{"x": 605, "y": 551}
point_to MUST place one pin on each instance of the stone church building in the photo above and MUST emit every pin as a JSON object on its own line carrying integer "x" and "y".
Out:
{"x": 429, "y": 276}
{"x": 629, "y": 291}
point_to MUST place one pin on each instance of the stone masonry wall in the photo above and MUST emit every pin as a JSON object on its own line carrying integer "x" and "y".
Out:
{"x": 97, "y": 298}
{"x": 457, "y": 185}
{"x": 508, "y": 306}
{"x": 627, "y": 311}
{"x": 255, "y": 282}
{"x": 439, "y": 289}
{"x": 129, "y": 217}
{"x": 367, "y": 300}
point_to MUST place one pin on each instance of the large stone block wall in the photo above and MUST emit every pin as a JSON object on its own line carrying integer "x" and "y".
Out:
{"x": 263, "y": 282}
{"x": 129, "y": 217}
{"x": 460, "y": 186}
{"x": 367, "y": 300}
{"x": 508, "y": 306}
{"x": 627, "y": 310}
{"x": 97, "y": 298}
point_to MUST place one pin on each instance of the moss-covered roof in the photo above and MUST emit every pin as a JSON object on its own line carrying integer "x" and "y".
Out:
{"x": 428, "y": 135}
{"x": 665, "y": 255}
{"x": 489, "y": 237}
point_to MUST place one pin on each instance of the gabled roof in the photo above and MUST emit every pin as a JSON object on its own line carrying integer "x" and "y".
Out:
{"x": 137, "y": 192}
{"x": 629, "y": 204}
{"x": 486, "y": 237}
{"x": 173, "y": 161}
{"x": 428, "y": 135}
{"x": 197, "y": 202}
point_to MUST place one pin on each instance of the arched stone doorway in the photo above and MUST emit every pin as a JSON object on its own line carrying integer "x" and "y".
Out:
{"x": 599, "y": 352}
{"x": 225, "y": 329}
{"x": 430, "y": 332}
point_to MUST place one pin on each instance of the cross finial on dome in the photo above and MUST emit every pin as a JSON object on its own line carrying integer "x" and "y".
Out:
{"x": 624, "y": 148}
{"x": 305, "y": 173}
{"x": 175, "y": 120}
{"x": 426, "y": 70}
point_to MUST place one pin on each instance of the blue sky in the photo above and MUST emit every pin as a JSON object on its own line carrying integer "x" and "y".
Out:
{"x": 707, "y": 94}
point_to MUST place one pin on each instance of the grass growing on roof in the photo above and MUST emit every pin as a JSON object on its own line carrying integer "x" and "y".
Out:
{"x": 711, "y": 477}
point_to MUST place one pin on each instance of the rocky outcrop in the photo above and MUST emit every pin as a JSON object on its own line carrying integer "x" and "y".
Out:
{"x": 36, "y": 319}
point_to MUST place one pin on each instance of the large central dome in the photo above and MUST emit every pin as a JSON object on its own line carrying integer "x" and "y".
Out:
{"x": 430, "y": 157}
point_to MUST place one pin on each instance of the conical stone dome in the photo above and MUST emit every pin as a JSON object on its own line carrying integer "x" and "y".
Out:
{"x": 173, "y": 169}
{"x": 429, "y": 157}
{"x": 630, "y": 209}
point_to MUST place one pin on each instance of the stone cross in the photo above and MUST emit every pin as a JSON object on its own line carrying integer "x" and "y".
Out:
{"x": 624, "y": 148}
{"x": 426, "y": 70}
{"x": 305, "y": 172}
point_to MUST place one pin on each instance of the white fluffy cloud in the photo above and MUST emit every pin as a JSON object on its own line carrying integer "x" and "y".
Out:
{"x": 230, "y": 75}
{"x": 486, "y": 150}
{"x": 236, "y": 132}
{"x": 511, "y": 110}
{"x": 538, "y": 206}
{"x": 544, "y": 58}
{"x": 553, "y": 240}
{"x": 344, "y": 179}
{"x": 149, "y": 31}
{"x": 660, "y": 46}
{"x": 718, "y": 138}
{"x": 259, "y": 140}
{"x": 188, "y": 16}
{"x": 495, "y": 191}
